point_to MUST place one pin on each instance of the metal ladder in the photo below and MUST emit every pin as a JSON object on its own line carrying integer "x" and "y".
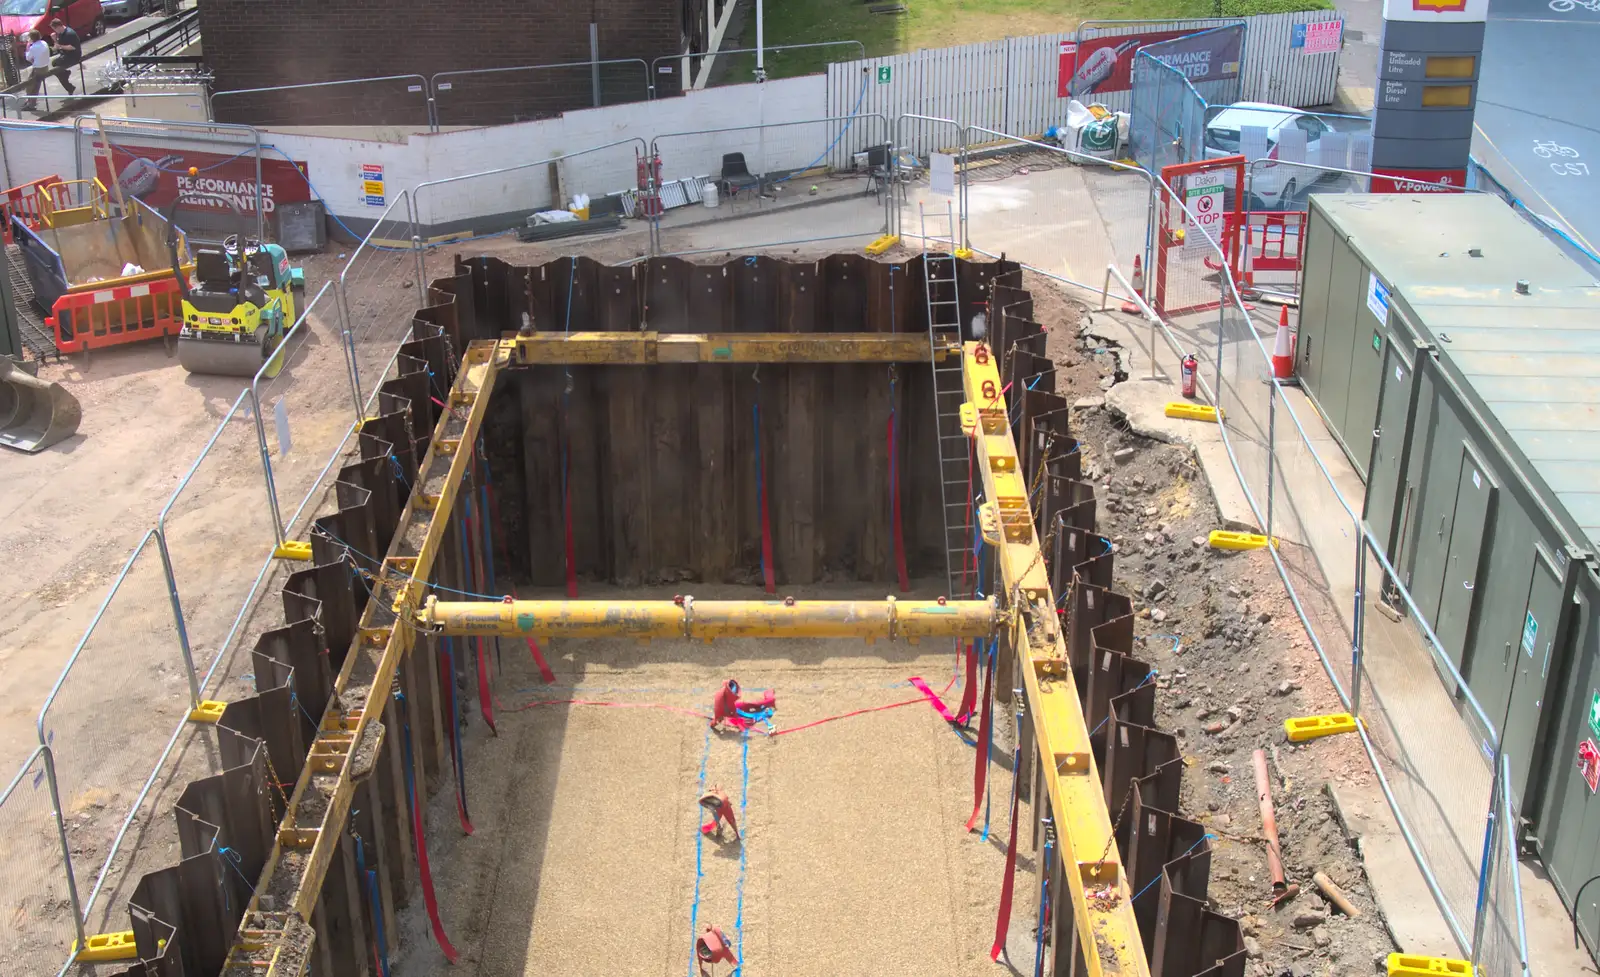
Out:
{"x": 944, "y": 333}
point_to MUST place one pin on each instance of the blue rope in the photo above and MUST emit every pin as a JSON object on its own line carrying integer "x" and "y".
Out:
{"x": 699, "y": 863}
{"x": 371, "y": 876}
{"x": 1044, "y": 903}
{"x": 854, "y": 111}
{"x": 744, "y": 805}
{"x": 1203, "y": 838}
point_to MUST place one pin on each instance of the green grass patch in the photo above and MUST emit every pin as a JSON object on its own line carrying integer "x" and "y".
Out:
{"x": 945, "y": 23}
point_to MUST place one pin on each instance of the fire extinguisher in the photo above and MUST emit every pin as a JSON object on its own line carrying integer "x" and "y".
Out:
{"x": 1190, "y": 365}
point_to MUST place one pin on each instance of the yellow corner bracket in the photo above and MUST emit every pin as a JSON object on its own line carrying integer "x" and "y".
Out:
{"x": 1192, "y": 412}
{"x": 883, "y": 244}
{"x": 209, "y": 711}
{"x": 1222, "y": 539}
{"x": 1411, "y": 965}
{"x": 106, "y": 947}
{"x": 1311, "y": 727}
{"x": 292, "y": 549}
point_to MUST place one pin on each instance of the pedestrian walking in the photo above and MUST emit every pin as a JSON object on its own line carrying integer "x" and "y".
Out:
{"x": 38, "y": 56}
{"x": 69, "y": 51}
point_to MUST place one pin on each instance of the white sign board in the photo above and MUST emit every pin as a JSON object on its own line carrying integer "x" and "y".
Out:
{"x": 1205, "y": 216}
{"x": 1437, "y": 11}
{"x": 1377, "y": 297}
{"x": 942, "y": 174}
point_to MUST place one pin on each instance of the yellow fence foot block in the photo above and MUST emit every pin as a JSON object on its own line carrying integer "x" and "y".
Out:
{"x": 1191, "y": 412}
{"x": 209, "y": 711}
{"x": 1222, "y": 539}
{"x": 106, "y": 947}
{"x": 1310, "y": 727}
{"x": 965, "y": 254}
{"x": 1411, "y": 965}
{"x": 883, "y": 244}
{"x": 292, "y": 550}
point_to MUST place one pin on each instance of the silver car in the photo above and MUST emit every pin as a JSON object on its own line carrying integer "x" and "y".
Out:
{"x": 128, "y": 9}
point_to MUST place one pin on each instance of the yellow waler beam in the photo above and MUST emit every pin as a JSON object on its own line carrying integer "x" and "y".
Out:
{"x": 1107, "y": 930}
{"x": 643, "y": 348}
{"x": 323, "y": 793}
{"x": 707, "y": 620}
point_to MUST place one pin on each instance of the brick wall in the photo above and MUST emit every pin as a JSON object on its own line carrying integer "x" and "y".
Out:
{"x": 263, "y": 43}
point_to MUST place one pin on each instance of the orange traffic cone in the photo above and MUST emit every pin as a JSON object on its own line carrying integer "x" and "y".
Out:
{"x": 1283, "y": 349}
{"x": 1132, "y": 308}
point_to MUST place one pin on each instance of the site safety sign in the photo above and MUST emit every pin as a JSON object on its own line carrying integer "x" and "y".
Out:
{"x": 1205, "y": 215}
{"x": 372, "y": 184}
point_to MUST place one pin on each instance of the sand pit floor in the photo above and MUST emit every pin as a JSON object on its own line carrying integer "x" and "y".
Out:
{"x": 586, "y": 856}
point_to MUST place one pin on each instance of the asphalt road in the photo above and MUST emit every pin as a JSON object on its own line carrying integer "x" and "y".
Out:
{"x": 1538, "y": 124}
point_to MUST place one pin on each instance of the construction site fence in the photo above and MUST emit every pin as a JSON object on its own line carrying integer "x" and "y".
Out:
{"x": 164, "y": 638}
{"x": 675, "y": 73}
{"x": 399, "y": 100}
{"x": 1333, "y": 572}
{"x": 775, "y": 180}
{"x": 174, "y": 139}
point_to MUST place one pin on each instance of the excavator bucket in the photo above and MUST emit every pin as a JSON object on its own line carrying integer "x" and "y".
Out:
{"x": 34, "y": 413}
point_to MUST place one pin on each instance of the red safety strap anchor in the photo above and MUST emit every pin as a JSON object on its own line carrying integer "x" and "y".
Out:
{"x": 712, "y": 947}
{"x": 726, "y": 705}
{"x": 720, "y": 808}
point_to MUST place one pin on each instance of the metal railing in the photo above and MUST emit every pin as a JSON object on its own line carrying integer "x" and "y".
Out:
{"x": 339, "y": 98}
{"x": 777, "y": 51}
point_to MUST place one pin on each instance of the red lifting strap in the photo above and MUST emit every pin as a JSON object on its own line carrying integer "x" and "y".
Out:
{"x": 969, "y": 692}
{"x": 545, "y": 674}
{"x": 1003, "y": 922}
{"x": 981, "y": 763}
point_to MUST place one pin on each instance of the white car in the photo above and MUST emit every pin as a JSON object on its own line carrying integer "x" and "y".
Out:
{"x": 1275, "y": 185}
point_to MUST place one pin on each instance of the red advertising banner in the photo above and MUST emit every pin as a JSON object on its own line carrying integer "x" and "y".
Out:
{"x": 157, "y": 175}
{"x": 1105, "y": 64}
{"x": 1390, "y": 180}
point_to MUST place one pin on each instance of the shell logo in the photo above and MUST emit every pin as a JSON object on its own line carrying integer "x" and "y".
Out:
{"x": 1439, "y": 6}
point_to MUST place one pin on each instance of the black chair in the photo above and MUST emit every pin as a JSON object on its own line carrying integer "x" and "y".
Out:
{"x": 736, "y": 177}
{"x": 877, "y": 168}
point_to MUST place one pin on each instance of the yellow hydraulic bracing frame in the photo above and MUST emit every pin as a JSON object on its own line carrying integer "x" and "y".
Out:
{"x": 1102, "y": 910}
{"x": 706, "y": 620}
{"x": 639, "y": 348}
{"x": 274, "y": 942}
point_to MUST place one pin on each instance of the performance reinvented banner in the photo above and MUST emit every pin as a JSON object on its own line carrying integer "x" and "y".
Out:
{"x": 157, "y": 175}
{"x": 1105, "y": 64}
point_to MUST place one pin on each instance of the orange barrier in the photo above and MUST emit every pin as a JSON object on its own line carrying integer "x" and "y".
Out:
{"x": 111, "y": 316}
{"x": 26, "y": 202}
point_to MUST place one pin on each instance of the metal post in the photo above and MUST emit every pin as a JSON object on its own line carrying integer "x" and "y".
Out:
{"x": 1486, "y": 868}
{"x": 761, "y": 41}
{"x": 594, "y": 61}
{"x": 1508, "y": 824}
{"x": 1272, "y": 424}
{"x": 1359, "y": 623}
{"x": 66, "y": 848}
{"x": 177, "y": 618}
{"x": 266, "y": 468}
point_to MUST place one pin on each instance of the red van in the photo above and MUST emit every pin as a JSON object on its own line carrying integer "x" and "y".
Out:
{"x": 21, "y": 16}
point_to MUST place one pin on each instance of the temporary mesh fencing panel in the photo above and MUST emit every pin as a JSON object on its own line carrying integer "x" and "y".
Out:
{"x": 378, "y": 289}
{"x": 131, "y": 652}
{"x": 1058, "y": 212}
{"x": 772, "y": 185}
{"x": 1167, "y": 124}
{"x": 392, "y": 100}
{"x": 151, "y": 160}
{"x": 1377, "y": 656}
{"x": 36, "y": 924}
{"x": 916, "y": 138}
{"x": 495, "y": 96}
